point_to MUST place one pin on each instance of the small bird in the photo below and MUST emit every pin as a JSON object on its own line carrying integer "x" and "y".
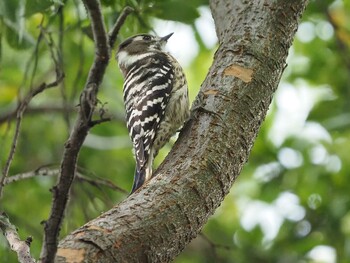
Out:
{"x": 155, "y": 98}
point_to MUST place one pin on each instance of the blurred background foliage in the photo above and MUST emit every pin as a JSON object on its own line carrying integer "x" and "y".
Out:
{"x": 291, "y": 202}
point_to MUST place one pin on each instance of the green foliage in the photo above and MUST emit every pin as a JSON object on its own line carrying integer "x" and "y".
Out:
{"x": 168, "y": 10}
{"x": 296, "y": 178}
{"x": 319, "y": 178}
{"x": 13, "y": 15}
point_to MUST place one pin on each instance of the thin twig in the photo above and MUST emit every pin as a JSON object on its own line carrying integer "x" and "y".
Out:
{"x": 97, "y": 182}
{"x": 81, "y": 55}
{"x": 56, "y": 53}
{"x": 32, "y": 58}
{"x": 99, "y": 121}
{"x": 41, "y": 171}
{"x": 60, "y": 64}
{"x": 46, "y": 171}
{"x": 36, "y": 55}
{"x": 11, "y": 153}
{"x": 213, "y": 245}
{"x": 22, "y": 248}
{"x": 144, "y": 23}
{"x": 19, "y": 114}
{"x": 22, "y": 105}
{"x": 120, "y": 21}
{"x": 8, "y": 116}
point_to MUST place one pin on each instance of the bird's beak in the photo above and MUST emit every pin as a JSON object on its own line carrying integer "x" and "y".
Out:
{"x": 165, "y": 39}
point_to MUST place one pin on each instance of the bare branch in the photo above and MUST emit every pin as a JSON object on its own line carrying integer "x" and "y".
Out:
{"x": 46, "y": 171}
{"x": 8, "y": 116}
{"x": 88, "y": 101}
{"x": 22, "y": 248}
{"x": 12, "y": 152}
{"x": 100, "y": 182}
{"x": 115, "y": 30}
{"x": 35, "y": 57}
{"x": 19, "y": 114}
{"x": 41, "y": 171}
{"x": 99, "y": 121}
{"x": 45, "y": 86}
{"x": 214, "y": 246}
{"x": 81, "y": 56}
{"x": 59, "y": 65}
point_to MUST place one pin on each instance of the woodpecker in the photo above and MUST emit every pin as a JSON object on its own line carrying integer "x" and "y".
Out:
{"x": 155, "y": 97}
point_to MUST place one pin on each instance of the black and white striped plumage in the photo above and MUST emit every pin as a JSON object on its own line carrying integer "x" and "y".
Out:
{"x": 155, "y": 98}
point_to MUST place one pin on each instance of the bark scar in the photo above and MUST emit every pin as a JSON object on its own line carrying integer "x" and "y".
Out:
{"x": 71, "y": 255}
{"x": 245, "y": 74}
{"x": 211, "y": 92}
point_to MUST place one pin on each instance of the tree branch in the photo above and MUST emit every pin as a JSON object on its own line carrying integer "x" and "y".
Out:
{"x": 156, "y": 222}
{"x": 19, "y": 114}
{"x": 72, "y": 147}
{"x": 11, "y": 115}
{"x": 22, "y": 248}
{"x": 81, "y": 56}
{"x": 45, "y": 171}
{"x": 214, "y": 246}
{"x": 100, "y": 182}
{"x": 41, "y": 171}
{"x": 115, "y": 30}
{"x": 83, "y": 123}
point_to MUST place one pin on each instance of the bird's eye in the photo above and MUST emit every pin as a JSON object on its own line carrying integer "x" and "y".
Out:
{"x": 147, "y": 38}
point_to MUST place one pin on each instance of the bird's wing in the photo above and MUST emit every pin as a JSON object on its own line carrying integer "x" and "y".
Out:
{"x": 146, "y": 96}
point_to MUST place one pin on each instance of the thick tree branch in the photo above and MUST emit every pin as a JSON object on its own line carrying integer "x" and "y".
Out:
{"x": 83, "y": 123}
{"x": 155, "y": 223}
{"x": 22, "y": 248}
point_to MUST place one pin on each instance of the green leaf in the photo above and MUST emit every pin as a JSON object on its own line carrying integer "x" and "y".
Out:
{"x": 13, "y": 37}
{"x": 108, "y": 2}
{"x": 9, "y": 9}
{"x": 181, "y": 11}
{"x": 38, "y": 6}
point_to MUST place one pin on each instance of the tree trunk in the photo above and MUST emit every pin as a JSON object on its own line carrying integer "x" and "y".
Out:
{"x": 158, "y": 221}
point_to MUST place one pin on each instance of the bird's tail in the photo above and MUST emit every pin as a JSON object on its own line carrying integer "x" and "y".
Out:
{"x": 141, "y": 176}
{"x": 139, "y": 179}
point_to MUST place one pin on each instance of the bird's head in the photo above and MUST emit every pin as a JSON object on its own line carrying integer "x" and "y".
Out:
{"x": 143, "y": 43}
{"x": 133, "y": 48}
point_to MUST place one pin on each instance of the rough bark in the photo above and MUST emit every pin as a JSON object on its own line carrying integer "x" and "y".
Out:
{"x": 83, "y": 123}
{"x": 156, "y": 223}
